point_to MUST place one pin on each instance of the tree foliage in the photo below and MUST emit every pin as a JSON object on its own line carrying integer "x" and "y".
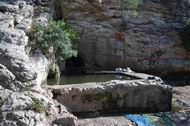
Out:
{"x": 133, "y": 4}
{"x": 185, "y": 36}
{"x": 56, "y": 35}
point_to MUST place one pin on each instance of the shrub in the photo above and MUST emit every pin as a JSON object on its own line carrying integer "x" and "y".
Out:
{"x": 185, "y": 36}
{"x": 56, "y": 35}
{"x": 133, "y": 4}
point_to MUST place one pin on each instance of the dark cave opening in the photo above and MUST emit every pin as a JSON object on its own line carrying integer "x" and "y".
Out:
{"x": 74, "y": 65}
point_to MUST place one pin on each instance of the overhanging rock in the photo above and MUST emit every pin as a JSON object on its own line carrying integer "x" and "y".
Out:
{"x": 141, "y": 95}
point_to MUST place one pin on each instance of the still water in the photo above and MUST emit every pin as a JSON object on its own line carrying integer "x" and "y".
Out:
{"x": 77, "y": 79}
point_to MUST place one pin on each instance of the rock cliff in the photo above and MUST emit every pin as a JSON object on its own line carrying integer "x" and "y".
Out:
{"x": 111, "y": 36}
{"x": 22, "y": 100}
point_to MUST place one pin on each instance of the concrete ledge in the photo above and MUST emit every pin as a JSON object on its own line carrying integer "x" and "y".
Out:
{"x": 141, "y": 95}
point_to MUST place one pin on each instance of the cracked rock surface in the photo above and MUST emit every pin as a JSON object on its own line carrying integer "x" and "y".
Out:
{"x": 22, "y": 100}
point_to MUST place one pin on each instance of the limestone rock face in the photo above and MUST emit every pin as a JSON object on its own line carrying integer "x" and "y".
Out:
{"x": 22, "y": 100}
{"x": 111, "y": 36}
{"x": 13, "y": 56}
{"x": 4, "y": 7}
{"x": 6, "y": 77}
{"x": 32, "y": 108}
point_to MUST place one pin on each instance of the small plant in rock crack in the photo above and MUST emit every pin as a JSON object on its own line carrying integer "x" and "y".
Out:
{"x": 38, "y": 106}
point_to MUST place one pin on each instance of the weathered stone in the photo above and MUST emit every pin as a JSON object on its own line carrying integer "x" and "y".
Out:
{"x": 42, "y": 18}
{"x": 8, "y": 123}
{"x": 22, "y": 101}
{"x": 25, "y": 24}
{"x": 13, "y": 54}
{"x": 4, "y": 94}
{"x": 25, "y": 118}
{"x": 13, "y": 36}
{"x": 134, "y": 95}
{"x": 6, "y": 21}
{"x": 17, "y": 101}
{"x": 18, "y": 19}
{"x": 65, "y": 120}
{"x": 27, "y": 11}
{"x": 19, "y": 65}
{"x": 6, "y": 77}
{"x": 112, "y": 37}
{"x": 41, "y": 65}
{"x": 24, "y": 109}
{"x": 4, "y": 7}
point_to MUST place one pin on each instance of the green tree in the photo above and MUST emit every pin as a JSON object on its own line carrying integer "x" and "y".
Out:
{"x": 185, "y": 33}
{"x": 58, "y": 36}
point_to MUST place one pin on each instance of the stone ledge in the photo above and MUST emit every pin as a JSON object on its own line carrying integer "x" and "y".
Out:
{"x": 131, "y": 95}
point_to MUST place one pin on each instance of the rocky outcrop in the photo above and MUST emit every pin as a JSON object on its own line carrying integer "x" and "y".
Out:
{"x": 111, "y": 36}
{"x": 130, "y": 95}
{"x": 22, "y": 100}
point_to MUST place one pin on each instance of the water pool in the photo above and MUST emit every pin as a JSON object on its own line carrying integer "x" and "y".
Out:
{"x": 77, "y": 79}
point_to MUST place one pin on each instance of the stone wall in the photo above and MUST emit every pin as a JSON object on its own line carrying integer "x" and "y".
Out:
{"x": 115, "y": 96}
{"x": 110, "y": 36}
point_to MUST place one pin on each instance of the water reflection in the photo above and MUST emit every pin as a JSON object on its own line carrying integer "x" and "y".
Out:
{"x": 76, "y": 79}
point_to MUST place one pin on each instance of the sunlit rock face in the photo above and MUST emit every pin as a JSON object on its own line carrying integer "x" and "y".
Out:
{"x": 111, "y": 36}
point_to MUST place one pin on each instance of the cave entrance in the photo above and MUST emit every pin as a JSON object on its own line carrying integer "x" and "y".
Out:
{"x": 74, "y": 65}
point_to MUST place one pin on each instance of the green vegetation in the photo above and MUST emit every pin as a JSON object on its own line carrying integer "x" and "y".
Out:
{"x": 106, "y": 98}
{"x": 38, "y": 106}
{"x": 131, "y": 6}
{"x": 57, "y": 36}
{"x": 185, "y": 36}
{"x": 26, "y": 88}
